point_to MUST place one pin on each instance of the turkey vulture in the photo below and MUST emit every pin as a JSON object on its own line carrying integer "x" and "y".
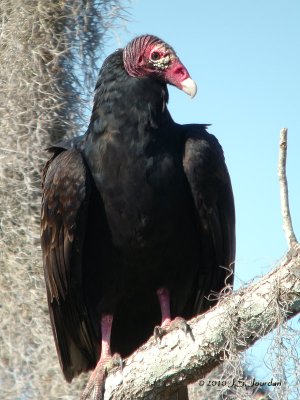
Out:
{"x": 138, "y": 221}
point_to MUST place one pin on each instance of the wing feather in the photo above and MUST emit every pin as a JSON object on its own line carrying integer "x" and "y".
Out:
{"x": 211, "y": 189}
{"x": 66, "y": 192}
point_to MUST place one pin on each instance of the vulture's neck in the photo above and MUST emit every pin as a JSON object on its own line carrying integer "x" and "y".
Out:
{"x": 128, "y": 106}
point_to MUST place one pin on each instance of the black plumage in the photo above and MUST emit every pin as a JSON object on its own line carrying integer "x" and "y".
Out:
{"x": 136, "y": 204}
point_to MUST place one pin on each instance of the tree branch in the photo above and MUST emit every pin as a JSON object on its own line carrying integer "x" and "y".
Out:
{"x": 285, "y": 209}
{"x": 238, "y": 320}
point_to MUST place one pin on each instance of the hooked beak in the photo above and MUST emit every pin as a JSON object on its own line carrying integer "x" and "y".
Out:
{"x": 189, "y": 87}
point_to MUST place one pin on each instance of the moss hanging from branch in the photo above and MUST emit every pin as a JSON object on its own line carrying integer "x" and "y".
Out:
{"x": 48, "y": 64}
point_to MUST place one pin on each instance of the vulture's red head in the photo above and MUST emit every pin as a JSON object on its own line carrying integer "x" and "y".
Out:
{"x": 148, "y": 55}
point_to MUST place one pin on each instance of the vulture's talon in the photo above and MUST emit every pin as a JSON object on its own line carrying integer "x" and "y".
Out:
{"x": 159, "y": 333}
{"x": 181, "y": 323}
{"x": 116, "y": 361}
{"x": 96, "y": 383}
{"x": 177, "y": 323}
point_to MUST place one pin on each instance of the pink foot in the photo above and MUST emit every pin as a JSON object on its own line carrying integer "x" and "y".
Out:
{"x": 167, "y": 324}
{"x": 96, "y": 382}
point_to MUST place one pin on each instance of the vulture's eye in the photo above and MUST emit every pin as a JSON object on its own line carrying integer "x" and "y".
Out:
{"x": 155, "y": 56}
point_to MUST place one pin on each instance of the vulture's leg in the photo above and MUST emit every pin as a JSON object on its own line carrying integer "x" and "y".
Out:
{"x": 164, "y": 301}
{"x": 96, "y": 381}
{"x": 167, "y": 324}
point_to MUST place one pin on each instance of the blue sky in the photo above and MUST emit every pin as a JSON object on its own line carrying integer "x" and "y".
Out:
{"x": 245, "y": 57}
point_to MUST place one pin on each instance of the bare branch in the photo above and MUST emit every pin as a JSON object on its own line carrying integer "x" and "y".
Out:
{"x": 285, "y": 209}
{"x": 238, "y": 321}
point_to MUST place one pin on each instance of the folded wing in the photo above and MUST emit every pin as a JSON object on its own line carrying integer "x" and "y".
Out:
{"x": 210, "y": 185}
{"x": 65, "y": 202}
